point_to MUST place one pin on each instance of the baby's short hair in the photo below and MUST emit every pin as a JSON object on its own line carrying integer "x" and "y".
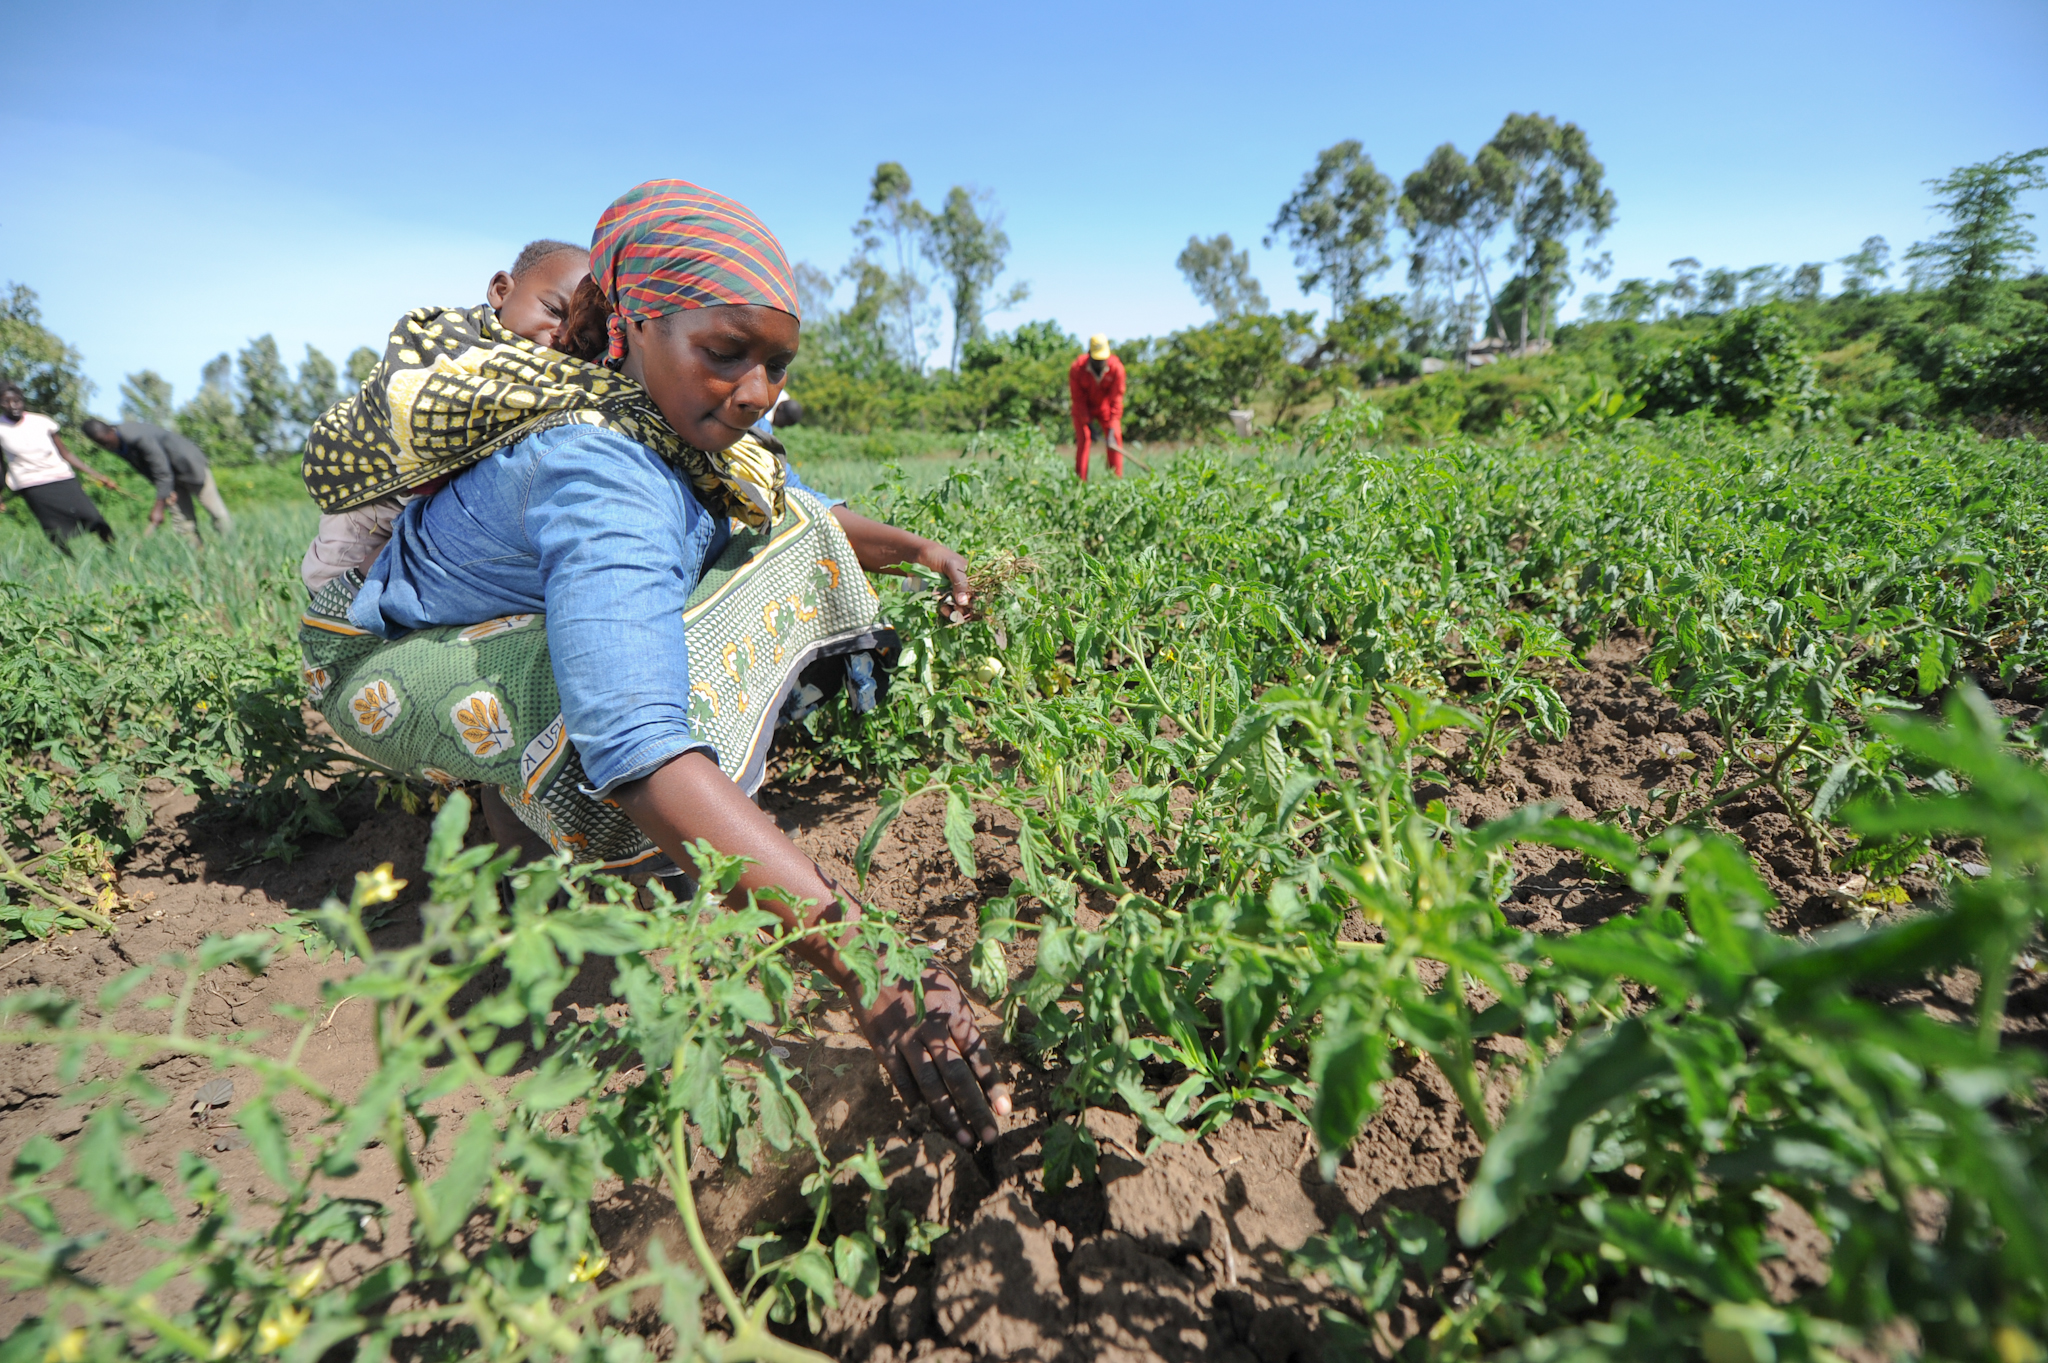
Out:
{"x": 534, "y": 252}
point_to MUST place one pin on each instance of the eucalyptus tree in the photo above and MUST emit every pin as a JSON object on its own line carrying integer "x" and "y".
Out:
{"x": 1336, "y": 221}
{"x": 209, "y": 417}
{"x": 1720, "y": 289}
{"x": 1451, "y": 208}
{"x": 1221, "y": 277}
{"x": 319, "y": 387}
{"x": 1633, "y": 300}
{"x": 814, "y": 290}
{"x": 146, "y": 396}
{"x": 966, "y": 241}
{"x": 1684, "y": 289}
{"x": 1549, "y": 184}
{"x": 268, "y": 399}
{"x": 1866, "y": 269}
{"x": 890, "y": 236}
{"x": 1433, "y": 205}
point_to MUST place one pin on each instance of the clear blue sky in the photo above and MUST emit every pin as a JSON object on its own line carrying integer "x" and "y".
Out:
{"x": 184, "y": 177}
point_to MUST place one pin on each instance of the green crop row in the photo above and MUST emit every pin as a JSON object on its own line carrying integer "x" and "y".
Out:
{"x": 1622, "y": 1203}
{"x": 100, "y": 695}
{"x": 1208, "y": 712}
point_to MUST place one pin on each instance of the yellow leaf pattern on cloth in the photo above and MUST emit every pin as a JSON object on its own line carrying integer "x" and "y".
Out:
{"x": 376, "y": 707}
{"x": 480, "y": 718}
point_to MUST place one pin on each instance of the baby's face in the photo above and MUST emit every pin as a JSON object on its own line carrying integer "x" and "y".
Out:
{"x": 534, "y": 305}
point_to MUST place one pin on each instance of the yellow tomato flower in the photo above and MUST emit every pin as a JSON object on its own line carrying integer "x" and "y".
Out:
{"x": 303, "y": 1282}
{"x": 227, "y": 1341}
{"x": 201, "y": 707}
{"x": 2015, "y": 1345}
{"x": 378, "y": 886}
{"x": 69, "y": 1348}
{"x": 587, "y": 1268}
{"x": 281, "y": 1329}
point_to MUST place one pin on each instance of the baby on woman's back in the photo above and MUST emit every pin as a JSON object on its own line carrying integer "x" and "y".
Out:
{"x": 530, "y": 300}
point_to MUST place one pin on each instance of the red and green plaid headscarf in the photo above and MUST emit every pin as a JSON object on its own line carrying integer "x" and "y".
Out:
{"x": 669, "y": 245}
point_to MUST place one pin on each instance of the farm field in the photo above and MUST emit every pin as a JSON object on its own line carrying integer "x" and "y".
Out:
{"x": 1491, "y": 900}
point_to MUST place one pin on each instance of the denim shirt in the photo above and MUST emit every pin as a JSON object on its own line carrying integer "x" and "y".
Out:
{"x": 593, "y": 529}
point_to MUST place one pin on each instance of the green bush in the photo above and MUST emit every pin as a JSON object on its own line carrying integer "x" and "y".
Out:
{"x": 1750, "y": 369}
{"x": 1182, "y": 385}
{"x": 1996, "y": 365}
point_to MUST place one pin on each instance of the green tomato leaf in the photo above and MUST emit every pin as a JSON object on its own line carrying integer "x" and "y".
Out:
{"x": 960, "y": 831}
{"x": 858, "y": 1266}
{"x": 890, "y": 805}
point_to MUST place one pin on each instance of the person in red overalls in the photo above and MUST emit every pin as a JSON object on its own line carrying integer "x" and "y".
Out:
{"x": 1096, "y": 381}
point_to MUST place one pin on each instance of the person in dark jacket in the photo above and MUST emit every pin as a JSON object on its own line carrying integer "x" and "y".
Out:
{"x": 175, "y": 467}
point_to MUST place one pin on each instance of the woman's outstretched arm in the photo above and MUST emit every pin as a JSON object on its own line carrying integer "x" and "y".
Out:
{"x": 882, "y": 548}
{"x": 940, "y": 1059}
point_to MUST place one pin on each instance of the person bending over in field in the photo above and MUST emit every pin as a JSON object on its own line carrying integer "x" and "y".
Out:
{"x": 529, "y": 301}
{"x": 1095, "y": 383}
{"x": 621, "y": 591}
{"x": 45, "y": 473}
{"x": 175, "y": 467}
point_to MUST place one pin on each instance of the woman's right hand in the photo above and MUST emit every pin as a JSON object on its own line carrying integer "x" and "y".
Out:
{"x": 940, "y": 1060}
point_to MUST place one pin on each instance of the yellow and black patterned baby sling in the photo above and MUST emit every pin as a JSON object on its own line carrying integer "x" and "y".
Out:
{"x": 455, "y": 386}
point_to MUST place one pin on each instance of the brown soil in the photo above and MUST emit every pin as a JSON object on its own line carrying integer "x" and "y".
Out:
{"x": 1176, "y": 1252}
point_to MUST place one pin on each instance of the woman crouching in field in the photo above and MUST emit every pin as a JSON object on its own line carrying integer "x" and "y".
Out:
{"x": 608, "y": 610}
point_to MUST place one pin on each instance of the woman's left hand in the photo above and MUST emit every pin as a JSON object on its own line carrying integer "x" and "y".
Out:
{"x": 940, "y": 1059}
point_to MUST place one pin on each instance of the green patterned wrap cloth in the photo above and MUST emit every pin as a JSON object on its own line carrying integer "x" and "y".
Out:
{"x": 454, "y": 704}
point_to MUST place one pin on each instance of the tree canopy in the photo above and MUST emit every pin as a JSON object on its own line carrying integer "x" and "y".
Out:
{"x": 31, "y": 356}
{"x": 1987, "y": 235}
{"x": 1336, "y": 222}
{"x": 1221, "y": 276}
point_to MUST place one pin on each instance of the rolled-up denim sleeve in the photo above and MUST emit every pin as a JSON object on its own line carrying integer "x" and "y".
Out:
{"x": 621, "y": 544}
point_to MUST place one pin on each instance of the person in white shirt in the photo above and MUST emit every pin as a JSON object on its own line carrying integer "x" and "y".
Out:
{"x": 45, "y": 473}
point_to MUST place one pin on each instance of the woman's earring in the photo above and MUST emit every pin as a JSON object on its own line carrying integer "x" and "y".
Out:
{"x": 615, "y": 332}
